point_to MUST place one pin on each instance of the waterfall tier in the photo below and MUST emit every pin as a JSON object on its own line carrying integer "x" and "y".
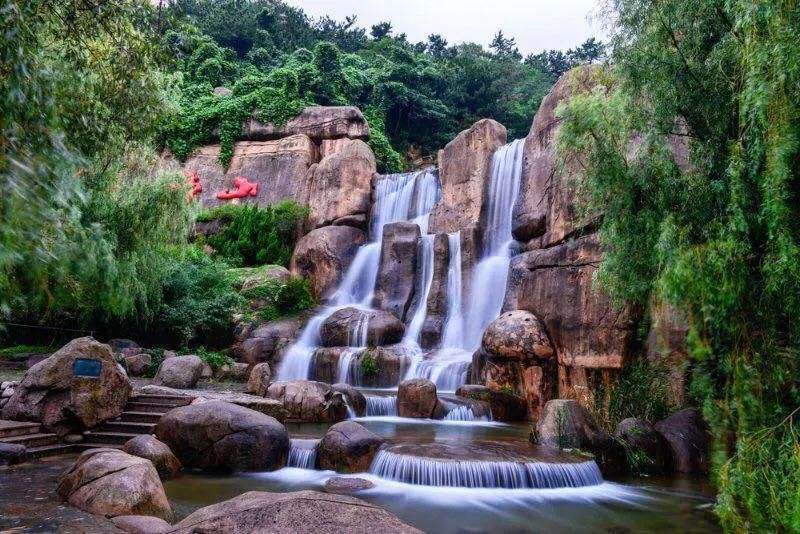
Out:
{"x": 303, "y": 453}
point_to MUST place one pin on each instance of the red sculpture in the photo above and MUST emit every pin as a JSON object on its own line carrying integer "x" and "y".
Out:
{"x": 193, "y": 180}
{"x": 243, "y": 189}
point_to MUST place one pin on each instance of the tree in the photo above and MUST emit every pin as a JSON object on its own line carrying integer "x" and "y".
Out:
{"x": 437, "y": 46}
{"x": 505, "y": 47}
{"x": 381, "y": 30}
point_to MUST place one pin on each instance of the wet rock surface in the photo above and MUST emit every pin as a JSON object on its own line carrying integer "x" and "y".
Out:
{"x": 347, "y": 485}
{"x": 417, "y": 398}
{"x": 348, "y": 447}
{"x": 340, "y": 329}
{"x": 688, "y": 436}
{"x": 395, "y": 284}
{"x": 504, "y": 406}
{"x": 308, "y": 401}
{"x": 323, "y": 255}
{"x": 149, "y": 448}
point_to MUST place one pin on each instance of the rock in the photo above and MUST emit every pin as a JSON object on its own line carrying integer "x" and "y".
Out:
{"x": 464, "y": 171}
{"x": 266, "y": 275}
{"x": 517, "y": 335}
{"x": 436, "y": 305}
{"x": 138, "y": 364}
{"x": 278, "y": 167}
{"x": 688, "y": 436}
{"x": 354, "y": 398}
{"x": 320, "y": 123}
{"x": 266, "y": 343}
{"x": 141, "y": 524}
{"x": 648, "y": 448}
{"x": 51, "y": 394}
{"x": 348, "y": 447}
{"x": 235, "y": 372}
{"x": 221, "y": 436}
{"x": 323, "y": 256}
{"x": 207, "y": 373}
{"x": 73, "y": 438}
{"x": 382, "y": 328}
{"x": 260, "y": 377}
{"x": 340, "y": 184}
{"x": 222, "y": 92}
{"x": 13, "y": 453}
{"x": 347, "y": 485}
{"x": 301, "y": 512}
{"x": 118, "y": 345}
{"x": 181, "y": 372}
{"x": 566, "y": 424}
{"x": 268, "y": 407}
{"x": 504, "y": 406}
{"x": 417, "y": 398}
{"x": 388, "y": 364}
{"x": 309, "y": 402}
{"x": 556, "y": 285}
{"x": 113, "y": 483}
{"x": 394, "y": 286}
{"x": 325, "y": 363}
{"x": 148, "y": 447}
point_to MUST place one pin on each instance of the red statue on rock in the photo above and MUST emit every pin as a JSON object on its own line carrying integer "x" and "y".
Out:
{"x": 193, "y": 179}
{"x": 242, "y": 189}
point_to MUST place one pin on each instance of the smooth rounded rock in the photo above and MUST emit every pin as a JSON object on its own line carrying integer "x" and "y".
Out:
{"x": 380, "y": 328}
{"x": 517, "y": 335}
{"x": 647, "y": 450}
{"x": 354, "y": 398}
{"x": 348, "y": 447}
{"x": 148, "y": 447}
{"x": 308, "y": 401}
{"x": 689, "y": 438}
{"x": 180, "y": 372}
{"x": 141, "y": 524}
{"x": 323, "y": 256}
{"x": 347, "y": 485}
{"x": 260, "y": 377}
{"x": 417, "y": 398}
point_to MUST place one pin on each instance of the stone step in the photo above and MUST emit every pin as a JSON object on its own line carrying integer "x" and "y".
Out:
{"x": 34, "y": 440}
{"x": 114, "y": 438}
{"x": 9, "y": 429}
{"x": 139, "y": 417}
{"x": 127, "y": 427}
{"x": 147, "y": 407}
{"x": 166, "y": 400}
{"x": 46, "y": 451}
{"x": 85, "y": 446}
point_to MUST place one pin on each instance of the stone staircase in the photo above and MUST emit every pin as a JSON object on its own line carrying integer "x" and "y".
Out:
{"x": 39, "y": 443}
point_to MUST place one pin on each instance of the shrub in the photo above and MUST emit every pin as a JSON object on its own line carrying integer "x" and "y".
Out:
{"x": 213, "y": 358}
{"x": 369, "y": 367}
{"x": 280, "y": 299}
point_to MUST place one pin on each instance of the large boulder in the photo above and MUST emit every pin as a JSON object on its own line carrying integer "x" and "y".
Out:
{"x": 302, "y": 512}
{"x": 688, "y": 436}
{"x": 340, "y": 185}
{"x": 394, "y": 286}
{"x": 112, "y": 483}
{"x": 265, "y": 343}
{"x": 464, "y": 170}
{"x": 504, "y": 406}
{"x": 436, "y": 305}
{"x": 377, "y": 367}
{"x": 180, "y": 372}
{"x": 141, "y": 524}
{"x": 138, "y": 364}
{"x": 320, "y": 123}
{"x": 323, "y": 256}
{"x": 417, "y": 398}
{"x": 325, "y": 363}
{"x": 148, "y": 447}
{"x": 354, "y": 398}
{"x": 50, "y": 393}
{"x": 347, "y": 447}
{"x": 308, "y": 401}
{"x": 517, "y": 335}
{"x": 345, "y": 326}
{"x": 566, "y": 424}
{"x": 12, "y": 453}
{"x": 648, "y": 451}
{"x": 218, "y": 435}
{"x": 260, "y": 377}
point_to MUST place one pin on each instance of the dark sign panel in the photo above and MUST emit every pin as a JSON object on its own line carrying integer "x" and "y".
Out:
{"x": 87, "y": 367}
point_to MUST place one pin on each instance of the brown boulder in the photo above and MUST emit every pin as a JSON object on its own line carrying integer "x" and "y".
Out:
{"x": 267, "y": 342}
{"x": 504, "y": 406}
{"x": 234, "y": 372}
{"x": 138, "y": 364}
{"x": 348, "y": 447}
{"x": 340, "y": 185}
{"x": 417, "y": 398}
{"x": 259, "y": 380}
{"x": 394, "y": 286}
{"x": 382, "y": 328}
{"x": 688, "y": 436}
{"x": 309, "y": 402}
{"x": 148, "y": 447}
{"x": 389, "y": 363}
{"x": 302, "y": 512}
{"x": 347, "y": 485}
{"x": 323, "y": 255}
{"x": 112, "y": 483}
{"x": 436, "y": 305}
{"x": 354, "y": 398}
{"x": 141, "y": 524}
{"x": 180, "y": 372}
{"x": 648, "y": 451}
{"x": 517, "y": 335}
{"x": 218, "y": 435}
{"x": 51, "y": 394}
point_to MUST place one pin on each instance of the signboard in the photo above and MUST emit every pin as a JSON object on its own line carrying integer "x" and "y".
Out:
{"x": 86, "y": 367}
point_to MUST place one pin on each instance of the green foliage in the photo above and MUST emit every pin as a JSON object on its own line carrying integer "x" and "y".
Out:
{"x": 718, "y": 237}
{"x": 281, "y": 299}
{"x": 369, "y": 367}
{"x": 21, "y": 352}
{"x": 255, "y": 236}
{"x": 214, "y": 359}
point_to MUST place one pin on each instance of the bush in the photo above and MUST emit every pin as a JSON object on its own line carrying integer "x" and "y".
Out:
{"x": 214, "y": 359}
{"x": 369, "y": 366}
{"x": 280, "y": 299}
{"x": 256, "y": 236}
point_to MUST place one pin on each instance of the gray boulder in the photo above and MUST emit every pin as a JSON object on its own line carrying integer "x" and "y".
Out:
{"x": 688, "y": 436}
{"x": 259, "y": 380}
{"x": 141, "y": 524}
{"x": 308, "y": 401}
{"x": 342, "y": 328}
{"x": 148, "y": 447}
{"x": 180, "y": 372}
{"x": 354, "y": 398}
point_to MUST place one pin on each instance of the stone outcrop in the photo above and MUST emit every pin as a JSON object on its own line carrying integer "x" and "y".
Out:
{"x": 417, "y": 398}
{"x": 260, "y": 377}
{"x": 646, "y": 445}
{"x": 394, "y": 286}
{"x": 303, "y": 512}
{"x": 180, "y": 372}
{"x": 517, "y": 335}
{"x": 148, "y": 447}
{"x": 113, "y": 483}
{"x": 323, "y": 255}
{"x": 354, "y": 398}
{"x": 566, "y": 424}
{"x": 340, "y": 184}
{"x": 259, "y": 404}
{"x": 436, "y": 305}
{"x": 141, "y": 524}
{"x": 137, "y": 364}
{"x": 347, "y": 447}
{"x": 319, "y": 123}
{"x": 265, "y": 343}
{"x": 388, "y": 365}
{"x": 688, "y": 436}
{"x": 308, "y": 401}
{"x": 13, "y": 453}
{"x": 504, "y": 406}
{"x": 344, "y": 326}
{"x": 221, "y": 436}
{"x": 50, "y": 393}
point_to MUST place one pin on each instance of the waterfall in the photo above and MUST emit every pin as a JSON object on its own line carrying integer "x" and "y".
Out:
{"x": 424, "y": 281}
{"x": 398, "y": 197}
{"x": 484, "y": 474}
{"x": 302, "y": 453}
{"x": 454, "y": 327}
{"x": 381, "y": 406}
{"x": 464, "y": 413}
{"x": 344, "y": 371}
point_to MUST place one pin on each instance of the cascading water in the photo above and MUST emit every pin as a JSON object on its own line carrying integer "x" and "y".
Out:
{"x": 483, "y": 473}
{"x": 381, "y": 406}
{"x": 424, "y": 281}
{"x": 464, "y": 413}
{"x": 302, "y": 453}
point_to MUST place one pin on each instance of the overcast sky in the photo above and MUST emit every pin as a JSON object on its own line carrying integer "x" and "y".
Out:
{"x": 535, "y": 24}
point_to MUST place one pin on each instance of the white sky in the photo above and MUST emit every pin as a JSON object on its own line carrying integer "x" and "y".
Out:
{"x": 535, "y": 24}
